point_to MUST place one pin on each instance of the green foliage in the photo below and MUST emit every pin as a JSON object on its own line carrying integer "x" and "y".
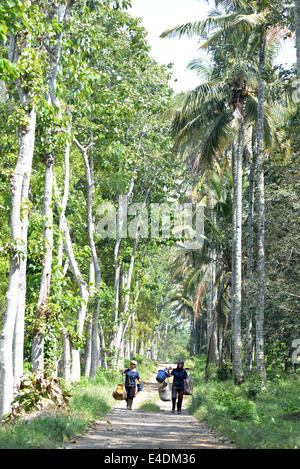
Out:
{"x": 253, "y": 386}
{"x": 37, "y": 391}
{"x": 47, "y": 431}
{"x": 250, "y": 415}
{"x": 224, "y": 372}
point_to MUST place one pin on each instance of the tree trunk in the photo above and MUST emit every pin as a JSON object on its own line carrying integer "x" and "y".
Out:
{"x": 37, "y": 356}
{"x": 67, "y": 363}
{"x": 16, "y": 267}
{"x": 213, "y": 332}
{"x": 91, "y": 231}
{"x": 121, "y": 219}
{"x": 261, "y": 216}
{"x": 58, "y": 13}
{"x": 67, "y": 358}
{"x": 88, "y": 343}
{"x": 237, "y": 262}
{"x": 18, "y": 341}
{"x": 83, "y": 288}
{"x": 249, "y": 274}
{"x": 297, "y": 21}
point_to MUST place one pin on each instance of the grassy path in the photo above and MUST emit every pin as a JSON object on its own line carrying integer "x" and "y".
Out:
{"x": 138, "y": 429}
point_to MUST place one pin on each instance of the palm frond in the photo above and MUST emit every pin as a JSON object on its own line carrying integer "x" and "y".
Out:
{"x": 240, "y": 24}
{"x": 230, "y": 5}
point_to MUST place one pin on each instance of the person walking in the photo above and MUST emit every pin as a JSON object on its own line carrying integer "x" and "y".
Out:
{"x": 180, "y": 376}
{"x": 132, "y": 375}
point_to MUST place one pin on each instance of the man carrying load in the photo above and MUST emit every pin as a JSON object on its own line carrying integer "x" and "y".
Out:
{"x": 132, "y": 375}
{"x": 180, "y": 376}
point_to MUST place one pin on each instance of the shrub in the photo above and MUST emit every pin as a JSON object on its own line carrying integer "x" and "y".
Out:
{"x": 253, "y": 386}
{"x": 241, "y": 409}
{"x": 224, "y": 372}
{"x": 38, "y": 392}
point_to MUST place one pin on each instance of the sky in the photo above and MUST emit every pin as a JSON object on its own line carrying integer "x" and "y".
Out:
{"x": 159, "y": 15}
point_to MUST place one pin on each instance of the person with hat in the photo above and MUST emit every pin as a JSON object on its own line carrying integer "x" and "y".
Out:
{"x": 132, "y": 375}
{"x": 180, "y": 376}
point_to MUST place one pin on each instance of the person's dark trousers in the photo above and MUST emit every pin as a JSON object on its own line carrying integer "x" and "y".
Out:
{"x": 175, "y": 393}
{"x": 180, "y": 397}
{"x": 130, "y": 396}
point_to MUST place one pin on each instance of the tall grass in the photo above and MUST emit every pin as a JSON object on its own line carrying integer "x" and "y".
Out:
{"x": 250, "y": 416}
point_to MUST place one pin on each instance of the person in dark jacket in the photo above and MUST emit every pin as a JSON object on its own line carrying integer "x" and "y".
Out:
{"x": 180, "y": 376}
{"x": 132, "y": 375}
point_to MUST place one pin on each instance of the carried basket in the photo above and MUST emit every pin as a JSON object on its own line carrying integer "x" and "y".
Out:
{"x": 120, "y": 393}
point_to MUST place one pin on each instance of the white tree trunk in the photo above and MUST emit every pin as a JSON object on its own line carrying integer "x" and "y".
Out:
{"x": 58, "y": 13}
{"x": 88, "y": 344}
{"x": 120, "y": 225}
{"x": 18, "y": 341}
{"x": 91, "y": 232}
{"x": 16, "y": 269}
{"x": 237, "y": 263}
{"x": 37, "y": 356}
{"x": 249, "y": 275}
{"x": 83, "y": 289}
{"x": 260, "y": 357}
{"x": 297, "y": 21}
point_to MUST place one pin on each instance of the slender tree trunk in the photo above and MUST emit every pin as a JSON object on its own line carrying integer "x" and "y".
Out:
{"x": 249, "y": 275}
{"x": 234, "y": 199}
{"x": 37, "y": 356}
{"x": 67, "y": 357}
{"x": 237, "y": 262}
{"x": 297, "y": 21}
{"x": 261, "y": 216}
{"x": 83, "y": 289}
{"x": 67, "y": 362}
{"x": 88, "y": 343}
{"x": 65, "y": 196}
{"x": 213, "y": 304}
{"x": 91, "y": 231}
{"x": 59, "y": 13}
{"x": 121, "y": 220}
{"x": 18, "y": 341}
{"x": 16, "y": 269}
{"x": 103, "y": 356}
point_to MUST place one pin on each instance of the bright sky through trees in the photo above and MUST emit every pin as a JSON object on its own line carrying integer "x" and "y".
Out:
{"x": 159, "y": 15}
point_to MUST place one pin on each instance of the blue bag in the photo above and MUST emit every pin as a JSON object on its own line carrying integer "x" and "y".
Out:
{"x": 161, "y": 376}
{"x": 140, "y": 385}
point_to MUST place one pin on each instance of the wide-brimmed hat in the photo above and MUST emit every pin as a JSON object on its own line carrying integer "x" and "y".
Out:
{"x": 133, "y": 362}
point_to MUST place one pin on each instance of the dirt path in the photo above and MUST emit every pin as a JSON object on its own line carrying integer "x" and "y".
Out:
{"x": 125, "y": 429}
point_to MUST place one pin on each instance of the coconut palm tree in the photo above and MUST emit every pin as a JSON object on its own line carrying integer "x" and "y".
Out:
{"x": 211, "y": 115}
{"x": 241, "y": 16}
